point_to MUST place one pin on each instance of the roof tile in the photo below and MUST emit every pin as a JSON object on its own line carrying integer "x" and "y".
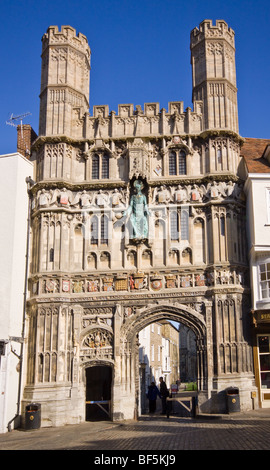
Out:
{"x": 252, "y": 152}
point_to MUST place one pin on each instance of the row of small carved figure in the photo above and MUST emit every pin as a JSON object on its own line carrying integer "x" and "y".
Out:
{"x": 119, "y": 197}
{"x": 139, "y": 282}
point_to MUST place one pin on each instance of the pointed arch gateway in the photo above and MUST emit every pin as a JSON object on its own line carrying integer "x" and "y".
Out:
{"x": 153, "y": 313}
{"x": 195, "y": 320}
{"x": 96, "y": 345}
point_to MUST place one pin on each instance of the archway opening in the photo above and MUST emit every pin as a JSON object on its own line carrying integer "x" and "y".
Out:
{"x": 167, "y": 349}
{"x": 98, "y": 393}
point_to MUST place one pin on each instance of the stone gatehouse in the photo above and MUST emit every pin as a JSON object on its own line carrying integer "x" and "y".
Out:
{"x": 137, "y": 216}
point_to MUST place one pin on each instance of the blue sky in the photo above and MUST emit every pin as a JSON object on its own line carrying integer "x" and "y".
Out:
{"x": 140, "y": 53}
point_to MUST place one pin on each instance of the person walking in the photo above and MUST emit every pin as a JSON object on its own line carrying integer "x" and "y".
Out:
{"x": 164, "y": 393}
{"x": 152, "y": 394}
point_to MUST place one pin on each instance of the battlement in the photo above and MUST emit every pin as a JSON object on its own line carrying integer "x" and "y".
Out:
{"x": 147, "y": 120}
{"x": 67, "y": 35}
{"x": 65, "y": 77}
{"x": 128, "y": 110}
{"x": 207, "y": 30}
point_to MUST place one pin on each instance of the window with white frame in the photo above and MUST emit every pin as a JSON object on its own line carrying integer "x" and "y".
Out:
{"x": 264, "y": 280}
{"x": 268, "y": 204}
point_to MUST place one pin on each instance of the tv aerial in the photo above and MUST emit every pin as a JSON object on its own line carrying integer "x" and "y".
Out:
{"x": 13, "y": 120}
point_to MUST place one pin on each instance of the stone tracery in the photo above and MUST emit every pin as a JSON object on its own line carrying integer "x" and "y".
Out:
{"x": 92, "y": 287}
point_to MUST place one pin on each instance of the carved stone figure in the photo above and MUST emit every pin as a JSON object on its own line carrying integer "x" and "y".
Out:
{"x": 101, "y": 199}
{"x": 180, "y": 194}
{"x": 43, "y": 198}
{"x": 161, "y": 195}
{"x": 138, "y": 211}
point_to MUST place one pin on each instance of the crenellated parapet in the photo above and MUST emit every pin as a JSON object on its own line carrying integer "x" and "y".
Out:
{"x": 67, "y": 35}
{"x": 65, "y": 76}
{"x": 208, "y": 30}
{"x": 214, "y": 75}
{"x": 147, "y": 122}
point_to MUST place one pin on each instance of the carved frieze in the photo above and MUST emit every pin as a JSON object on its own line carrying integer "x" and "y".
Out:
{"x": 114, "y": 198}
{"x": 151, "y": 282}
{"x": 220, "y": 190}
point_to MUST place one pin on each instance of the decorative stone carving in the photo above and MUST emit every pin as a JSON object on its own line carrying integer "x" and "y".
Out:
{"x": 92, "y": 286}
{"x": 97, "y": 344}
{"x": 138, "y": 211}
{"x": 98, "y": 339}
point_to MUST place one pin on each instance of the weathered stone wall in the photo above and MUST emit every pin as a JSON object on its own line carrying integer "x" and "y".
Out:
{"x": 94, "y": 283}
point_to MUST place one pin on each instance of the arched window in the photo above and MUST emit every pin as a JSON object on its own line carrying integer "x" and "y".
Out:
{"x": 182, "y": 163}
{"x": 174, "y": 226}
{"x": 105, "y": 167}
{"x": 172, "y": 163}
{"x": 78, "y": 253}
{"x": 95, "y": 167}
{"x": 222, "y": 226}
{"x": 147, "y": 258}
{"x": 100, "y": 166}
{"x": 177, "y": 162}
{"x": 104, "y": 230}
{"x": 199, "y": 241}
{"x": 132, "y": 258}
{"x": 184, "y": 223}
{"x": 94, "y": 231}
{"x": 51, "y": 254}
{"x": 105, "y": 259}
{"x": 219, "y": 155}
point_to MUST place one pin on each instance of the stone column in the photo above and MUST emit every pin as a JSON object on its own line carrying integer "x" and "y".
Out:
{"x": 209, "y": 347}
{"x": 117, "y": 413}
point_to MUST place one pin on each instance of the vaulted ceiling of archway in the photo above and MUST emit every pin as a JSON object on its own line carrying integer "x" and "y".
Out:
{"x": 182, "y": 314}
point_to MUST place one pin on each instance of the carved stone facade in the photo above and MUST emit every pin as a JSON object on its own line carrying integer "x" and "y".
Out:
{"x": 136, "y": 217}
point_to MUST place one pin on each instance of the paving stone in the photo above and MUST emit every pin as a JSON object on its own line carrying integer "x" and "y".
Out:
{"x": 239, "y": 431}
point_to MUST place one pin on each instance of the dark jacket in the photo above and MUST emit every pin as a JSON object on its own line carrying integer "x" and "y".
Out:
{"x": 153, "y": 392}
{"x": 163, "y": 389}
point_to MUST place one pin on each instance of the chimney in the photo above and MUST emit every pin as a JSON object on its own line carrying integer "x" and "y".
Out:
{"x": 25, "y": 137}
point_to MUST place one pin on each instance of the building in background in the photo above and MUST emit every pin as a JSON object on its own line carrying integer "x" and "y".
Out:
{"x": 14, "y": 170}
{"x": 256, "y": 172}
{"x": 158, "y": 356}
{"x": 159, "y": 351}
{"x": 170, "y": 348}
{"x": 187, "y": 355}
{"x": 150, "y": 353}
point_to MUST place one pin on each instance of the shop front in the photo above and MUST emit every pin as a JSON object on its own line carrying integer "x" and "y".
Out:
{"x": 261, "y": 321}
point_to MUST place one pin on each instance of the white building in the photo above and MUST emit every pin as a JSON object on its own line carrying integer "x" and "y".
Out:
{"x": 14, "y": 169}
{"x": 150, "y": 352}
{"x": 256, "y": 159}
